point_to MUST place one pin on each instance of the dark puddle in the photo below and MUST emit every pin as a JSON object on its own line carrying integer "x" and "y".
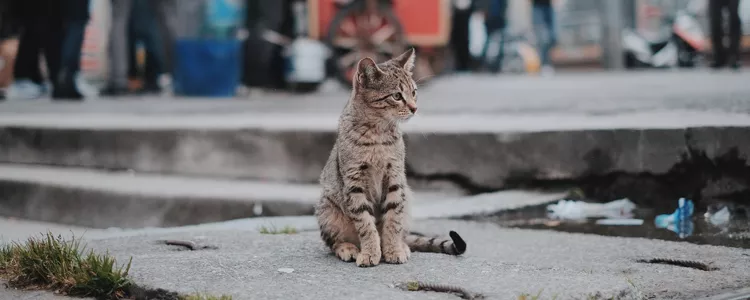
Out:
{"x": 735, "y": 233}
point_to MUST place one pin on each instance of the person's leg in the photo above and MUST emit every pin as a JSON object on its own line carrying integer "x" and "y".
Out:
{"x": 497, "y": 65}
{"x": 166, "y": 16}
{"x": 154, "y": 46}
{"x": 26, "y": 65}
{"x": 549, "y": 22}
{"x": 154, "y": 62}
{"x": 146, "y": 30}
{"x": 28, "y": 81}
{"x": 735, "y": 33}
{"x": 717, "y": 32}
{"x": 483, "y": 56}
{"x": 53, "y": 40}
{"x": 133, "y": 71}
{"x": 76, "y": 17}
{"x": 118, "y": 48}
{"x": 538, "y": 17}
{"x": 460, "y": 38}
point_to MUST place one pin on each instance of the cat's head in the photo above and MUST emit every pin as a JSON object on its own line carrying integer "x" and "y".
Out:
{"x": 387, "y": 89}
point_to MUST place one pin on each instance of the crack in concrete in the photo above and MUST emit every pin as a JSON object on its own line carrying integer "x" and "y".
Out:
{"x": 189, "y": 245}
{"x": 680, "y": 263}
{"x": 440, "y": 288}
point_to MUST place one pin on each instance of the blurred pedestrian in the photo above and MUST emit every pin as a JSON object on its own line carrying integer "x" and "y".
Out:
{"x": 75, "y": 18}
{"x": 117, "y": 83}
{"x": 462, "y": 10}
{"x": 495, "y": 22}
{"x": 543, "y": 16}
{"x": 8, "y": 44}
{"x": 41, "y": 27}
{"x": 725, "y": 55}
{"x": 143, "y": 28}
{"x": 165, "y": 13}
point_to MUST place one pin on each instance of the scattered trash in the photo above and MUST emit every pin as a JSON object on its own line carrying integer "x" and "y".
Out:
{"x": 680, "y": 220}
{"x": 577, "y": 210}
{"x": 720, "y": 218}
{"x": 623, "y": 222}
{"x": 286, "y": 270}
{"x": 683, "y": 212}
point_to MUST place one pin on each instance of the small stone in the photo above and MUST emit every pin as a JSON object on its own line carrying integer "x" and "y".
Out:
{"x": 286, "y": 270}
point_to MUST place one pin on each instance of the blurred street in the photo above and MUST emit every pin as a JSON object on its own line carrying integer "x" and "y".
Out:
{"x": 584, "y": 93}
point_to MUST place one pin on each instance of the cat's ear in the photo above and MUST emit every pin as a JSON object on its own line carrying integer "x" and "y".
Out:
{"x": 406, "y": 60}
{"x": 367, "y": 70}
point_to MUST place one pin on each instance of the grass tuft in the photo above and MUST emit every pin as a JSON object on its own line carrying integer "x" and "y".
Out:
{"x": 273, "y": 230}
{"x": 205, "y": 297}
{"x": 527, "y": 296}
{"x": 50, "y": 262}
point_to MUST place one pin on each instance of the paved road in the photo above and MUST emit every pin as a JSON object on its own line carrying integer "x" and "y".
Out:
{"x": 584, "y": 93}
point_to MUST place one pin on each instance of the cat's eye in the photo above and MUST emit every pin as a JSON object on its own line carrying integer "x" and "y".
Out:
{"x": 414, "y": 93}
{"x": 397, "y": 96}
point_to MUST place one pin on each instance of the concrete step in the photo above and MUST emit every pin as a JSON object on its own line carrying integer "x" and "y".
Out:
{"x": 474, "y": 153}
{"x": 100, "y": 199}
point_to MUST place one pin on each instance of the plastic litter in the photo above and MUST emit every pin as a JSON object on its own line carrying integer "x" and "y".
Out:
{"x": 621, "y": 222}
{"x": 577, "y": 210}
{"x": 720, "y": 218}
{"x": 680, "y": 220}
{"x": 683, "y": 212}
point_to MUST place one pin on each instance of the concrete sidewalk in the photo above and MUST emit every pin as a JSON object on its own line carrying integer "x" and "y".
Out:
{"x": 591, "y": 93}
{"x": 499, "y": 263}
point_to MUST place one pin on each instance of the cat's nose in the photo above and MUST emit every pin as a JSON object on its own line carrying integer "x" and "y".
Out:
{"x": 412, "y": 108}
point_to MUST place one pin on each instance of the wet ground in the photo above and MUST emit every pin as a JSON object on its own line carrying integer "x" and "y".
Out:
{"x": 734, "y": 232}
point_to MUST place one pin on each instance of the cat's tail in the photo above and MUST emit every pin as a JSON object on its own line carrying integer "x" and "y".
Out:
{"x": 421, "y": 243}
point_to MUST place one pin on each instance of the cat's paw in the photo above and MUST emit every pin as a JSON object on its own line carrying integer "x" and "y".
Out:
{"x": 397, "y": 254}
{"x": 346, "y": 251}
{"x": 368, "y": 258}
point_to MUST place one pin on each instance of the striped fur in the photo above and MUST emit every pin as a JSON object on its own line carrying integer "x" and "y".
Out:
{"x": 363, "y": 212}
{"x": 453, "y": 246}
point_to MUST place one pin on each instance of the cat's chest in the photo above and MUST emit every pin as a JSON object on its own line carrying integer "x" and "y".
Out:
{"x": 383, "y": 157}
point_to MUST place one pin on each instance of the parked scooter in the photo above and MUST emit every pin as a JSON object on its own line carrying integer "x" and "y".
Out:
{"x": 682, "y": 47}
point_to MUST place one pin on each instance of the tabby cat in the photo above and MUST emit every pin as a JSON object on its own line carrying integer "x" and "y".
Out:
{"x": 364, "y": 204}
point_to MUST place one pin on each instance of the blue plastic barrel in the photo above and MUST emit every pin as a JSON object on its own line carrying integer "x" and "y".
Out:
{"x": 207, "y": 67}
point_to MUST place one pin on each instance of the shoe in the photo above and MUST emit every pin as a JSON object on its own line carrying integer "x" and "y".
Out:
{"x": 25, "y": 89}
{"x": 114, "y": 91}
{"x": 86, "y": 88}
{"x": 735, "y": 64}
{"x": 150, "y": 88}
{"x": 717, "y": 65}
{"x": 66, "y": 91}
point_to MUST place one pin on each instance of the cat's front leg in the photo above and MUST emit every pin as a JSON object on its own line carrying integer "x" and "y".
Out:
{"x": 362, "y": 212}
{"x": 394, "y": 218}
